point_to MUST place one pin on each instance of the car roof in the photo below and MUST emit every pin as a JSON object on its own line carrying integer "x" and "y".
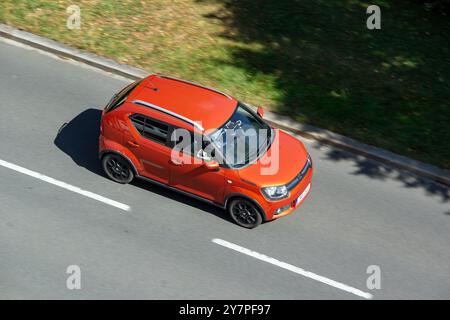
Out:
{"x": 208, "y": 107}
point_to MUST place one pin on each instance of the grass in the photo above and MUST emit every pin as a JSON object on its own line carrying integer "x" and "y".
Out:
{"x": 313, "y": 60}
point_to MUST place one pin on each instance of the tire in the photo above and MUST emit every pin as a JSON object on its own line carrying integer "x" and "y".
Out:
{"x": 117, "y": 168}
{"x": 245, "y": 213}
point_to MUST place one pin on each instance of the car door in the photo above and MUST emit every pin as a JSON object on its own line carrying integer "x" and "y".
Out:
{"x": 147, "y": 140}
{"x": 193, "y": 177}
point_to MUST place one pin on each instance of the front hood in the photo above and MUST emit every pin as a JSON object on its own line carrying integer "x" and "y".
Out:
{"x": 276, "y": 168}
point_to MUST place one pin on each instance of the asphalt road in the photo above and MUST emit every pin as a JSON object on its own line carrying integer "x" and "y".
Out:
{"x": 360, "y": 213}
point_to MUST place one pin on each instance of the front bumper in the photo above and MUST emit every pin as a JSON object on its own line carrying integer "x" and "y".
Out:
{"x": 296, "y": 198}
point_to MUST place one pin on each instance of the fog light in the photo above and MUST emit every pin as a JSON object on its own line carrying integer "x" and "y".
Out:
{"x": 282, "y": 209}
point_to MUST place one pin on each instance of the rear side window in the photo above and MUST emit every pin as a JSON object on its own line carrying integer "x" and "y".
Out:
{"x": 150, "y": 128}
{"x": 120, "y": 97}
{"x": 138, "y": 122}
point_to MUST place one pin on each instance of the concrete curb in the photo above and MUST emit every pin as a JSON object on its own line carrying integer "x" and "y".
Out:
{"x": 283, "y": 122}
{"x": 68, "y": 52}
{"x": 371, "y": 152}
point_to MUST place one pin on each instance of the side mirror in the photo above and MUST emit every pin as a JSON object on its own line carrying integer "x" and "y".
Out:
{"x": 260, "y": 112}
{"x": 212, "y": 165}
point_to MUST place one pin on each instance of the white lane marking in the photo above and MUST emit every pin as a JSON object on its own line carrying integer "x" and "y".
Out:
{"x": 292, "y": 268}
{"x": 64, "y": 185}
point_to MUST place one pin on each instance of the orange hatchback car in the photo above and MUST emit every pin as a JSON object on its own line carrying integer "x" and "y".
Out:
{"x": 206, "y": 144}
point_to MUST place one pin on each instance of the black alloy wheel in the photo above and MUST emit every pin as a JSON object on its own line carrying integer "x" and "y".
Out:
{"x": 245, "y": 213}
{"x": 117, "y": 168}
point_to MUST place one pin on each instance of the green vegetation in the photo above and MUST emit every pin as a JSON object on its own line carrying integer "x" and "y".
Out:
{"x": 314, "y": 60}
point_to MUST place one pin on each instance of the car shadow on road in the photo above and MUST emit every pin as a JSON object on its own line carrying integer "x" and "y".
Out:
{"x": 176, "y": 196}
{"x": 79, "y": 140}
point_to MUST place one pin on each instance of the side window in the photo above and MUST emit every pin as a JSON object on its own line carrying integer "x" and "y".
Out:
{"x": 151, "y": 129}
{"x": 138, "y": 122}
{"x": 194, "y": 144}
{"x": 183, "y": 139}
{"x": 155, "y": 130}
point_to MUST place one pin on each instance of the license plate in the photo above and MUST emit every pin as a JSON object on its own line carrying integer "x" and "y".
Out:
{"x": 303, "y": 195}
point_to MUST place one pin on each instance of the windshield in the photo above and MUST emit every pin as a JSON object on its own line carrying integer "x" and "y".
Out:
{"x": 243, "y": 138}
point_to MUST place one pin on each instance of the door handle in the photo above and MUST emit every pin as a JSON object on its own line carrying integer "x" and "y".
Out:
{"x": 133, "y": 144}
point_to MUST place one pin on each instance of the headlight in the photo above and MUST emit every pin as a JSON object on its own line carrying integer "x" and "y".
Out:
{"x": 275, "y": 192}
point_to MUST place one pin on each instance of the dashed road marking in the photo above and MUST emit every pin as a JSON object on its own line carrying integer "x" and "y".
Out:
{"x": 292, "y": 268}
{"x": 64, "y": 185}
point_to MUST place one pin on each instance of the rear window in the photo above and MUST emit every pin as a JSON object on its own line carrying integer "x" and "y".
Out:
{"x": 118, "y": 99}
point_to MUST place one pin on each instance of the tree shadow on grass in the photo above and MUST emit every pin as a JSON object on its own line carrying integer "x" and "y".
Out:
{"x": 386, "y": 87}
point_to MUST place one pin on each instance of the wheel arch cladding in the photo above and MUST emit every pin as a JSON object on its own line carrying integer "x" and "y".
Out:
{"x": 234, "y": 196}
{"x": 104, "y": 153}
